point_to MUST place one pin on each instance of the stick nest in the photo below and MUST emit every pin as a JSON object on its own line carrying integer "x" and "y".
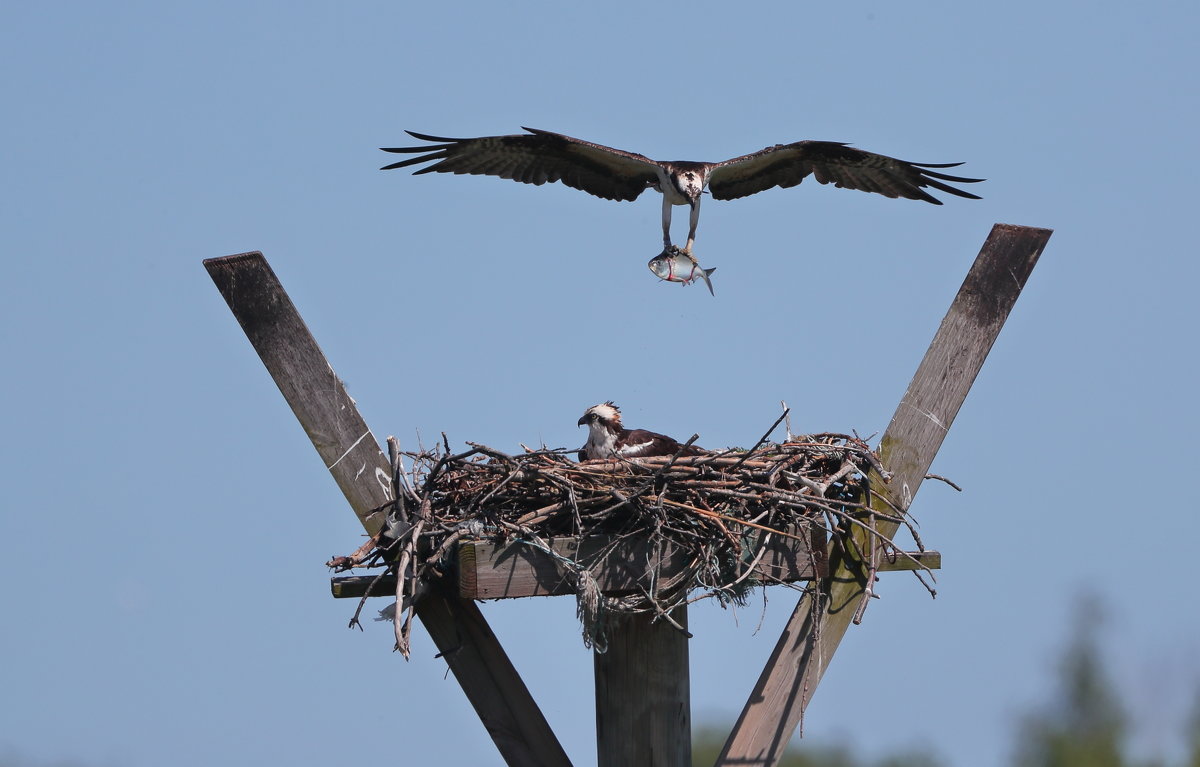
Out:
{"x": 721, "y": 508}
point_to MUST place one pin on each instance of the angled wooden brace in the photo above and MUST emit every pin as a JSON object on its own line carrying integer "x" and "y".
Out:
{"x": 912, "y": 439}
{"x": 351, "y": 454}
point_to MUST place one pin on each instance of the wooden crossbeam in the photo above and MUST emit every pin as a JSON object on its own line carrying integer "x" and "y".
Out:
{"x": 913, "y": 437}
{"x": 515, "y": 569}
{"x": 352, "y": 455}
{"x": 530, "y": 572}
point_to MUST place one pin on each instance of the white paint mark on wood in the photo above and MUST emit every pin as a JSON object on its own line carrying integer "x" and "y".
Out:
{"x": 385, "y": 482}
{"x": 349, "y": 450}
{"x": 932, "y": 417}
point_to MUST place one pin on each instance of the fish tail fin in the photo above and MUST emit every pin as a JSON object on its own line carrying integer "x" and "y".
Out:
{"x": 705, "y": 273}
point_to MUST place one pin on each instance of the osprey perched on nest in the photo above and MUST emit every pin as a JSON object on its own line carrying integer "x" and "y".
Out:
{"x": 614, "y": 174}
{"x": 607, "y": 438}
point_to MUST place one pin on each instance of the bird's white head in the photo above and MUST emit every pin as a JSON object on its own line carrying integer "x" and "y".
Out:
{"x": 606, "y": 413}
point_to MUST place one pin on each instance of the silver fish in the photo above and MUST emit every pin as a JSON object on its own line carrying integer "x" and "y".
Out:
{"x": 675, "y": 265}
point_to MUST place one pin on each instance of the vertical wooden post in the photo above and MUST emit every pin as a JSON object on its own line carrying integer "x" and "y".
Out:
{"x": 350, "y": 452}
{"x": 643, "y": 694}
{"x": 912, "y": 439}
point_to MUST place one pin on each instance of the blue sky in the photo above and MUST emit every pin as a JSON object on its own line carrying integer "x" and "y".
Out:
{"x": 166, "y": 520}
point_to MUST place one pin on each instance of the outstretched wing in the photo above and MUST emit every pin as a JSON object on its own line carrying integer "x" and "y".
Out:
{"x": 535, "y": 158}
{"x": 831, "y": 162}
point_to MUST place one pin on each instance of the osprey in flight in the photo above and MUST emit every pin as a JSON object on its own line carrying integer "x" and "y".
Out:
{"x": 614, "y": 174}
{"x": 607, "y": 438}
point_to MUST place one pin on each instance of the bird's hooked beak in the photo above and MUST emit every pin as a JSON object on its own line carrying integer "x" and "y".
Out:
{"x": 582, "y": 421}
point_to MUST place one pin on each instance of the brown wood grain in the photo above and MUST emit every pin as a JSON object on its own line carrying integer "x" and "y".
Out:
{"x": 907, "y": 449}
{"x": 316, "y": 395}
{"x": 352, "y": 455}
{"x": 643, "y": 694}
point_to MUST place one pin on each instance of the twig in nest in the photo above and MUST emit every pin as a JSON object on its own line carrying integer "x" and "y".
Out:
{"x": 362, "y": 602}
{"x": 761, "y": 440}
{"x": 872, "y": 570}
{"x": 360, "y": 555}
{"x": 715, "y": 515}
{"x": 943, "y": 479}
{"x": 401, "y": 626}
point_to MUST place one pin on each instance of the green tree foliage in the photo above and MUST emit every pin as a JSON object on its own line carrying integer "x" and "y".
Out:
{"x": 1193, "y": 734}
{"x": 1084, "y": 726}
{"x": 708, "y": 741}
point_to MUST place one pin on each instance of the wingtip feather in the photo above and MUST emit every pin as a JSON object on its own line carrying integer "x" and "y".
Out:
{"x": 435, "y": 139}
{"x": 413, "y": 161}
